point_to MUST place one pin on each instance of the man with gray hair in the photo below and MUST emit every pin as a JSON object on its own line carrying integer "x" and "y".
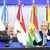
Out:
{"x": 8, "y": 35}
{"x": 9, "y": 30}
{"x": 45, "y": 33}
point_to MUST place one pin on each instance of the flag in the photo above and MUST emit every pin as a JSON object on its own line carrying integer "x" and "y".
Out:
{"x": 21, "y": 20}
{"x": 32, "y": 27}
{"x": 35, "y": 19}
{"x": 4, "y": 16}
{"x": 19, "y": 25}
{"x": 1, "y": 26}
{"x": 30, "y": 42}
{"x": 48, "y": 14}
{"x": 38, "y": 37}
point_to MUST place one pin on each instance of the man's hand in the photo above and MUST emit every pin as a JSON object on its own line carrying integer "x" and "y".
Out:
{"x": 44, "y": 33}
{"x": 48, "y": 37}
{"x": 14, "y": 36}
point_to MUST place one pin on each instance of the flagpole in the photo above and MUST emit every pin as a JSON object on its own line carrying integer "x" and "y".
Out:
{"x": 19, "y": 2}
{"x": 4, "y": 5}
{"x": 3, "y": 16}
{"x": 47, "y": 10}
{"x": 4, "y": 2}
{"x": 20, "y": 8}
{"x": 5, "y": 12}
{"x": 33, "y": 2}
{"x": 6, "y": 18}
{"x": 47, "y": 1}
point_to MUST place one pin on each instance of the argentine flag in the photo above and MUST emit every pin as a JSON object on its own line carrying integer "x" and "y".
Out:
{"x": 38, "y": 37}
{"x": 4, "y": 16}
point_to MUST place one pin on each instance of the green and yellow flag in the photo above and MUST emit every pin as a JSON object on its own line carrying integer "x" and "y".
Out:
{"x": 33, "y": 26}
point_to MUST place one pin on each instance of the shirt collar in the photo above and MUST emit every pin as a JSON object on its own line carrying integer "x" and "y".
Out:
{"x": 46, "y": 31}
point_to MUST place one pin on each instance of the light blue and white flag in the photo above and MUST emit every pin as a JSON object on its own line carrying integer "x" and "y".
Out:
{"x": 38, "y": 37}
{"x": 4, "y": 16}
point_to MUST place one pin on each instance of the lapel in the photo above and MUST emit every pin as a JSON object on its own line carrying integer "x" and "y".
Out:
{"x": 5, "y": 33}
{"x": 48, "y": 32}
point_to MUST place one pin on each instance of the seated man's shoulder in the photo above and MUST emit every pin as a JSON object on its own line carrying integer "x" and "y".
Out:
{"x": 0, "y": 32}
{"x": 3, "y": 31}
{"x": 48, "y": 30}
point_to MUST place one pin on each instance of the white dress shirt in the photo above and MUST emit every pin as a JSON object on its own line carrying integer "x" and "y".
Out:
{"x": 45, "y": 38}
{"x": 10, "y": 34}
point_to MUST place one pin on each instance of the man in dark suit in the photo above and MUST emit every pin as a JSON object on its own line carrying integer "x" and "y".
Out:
{"x": 8, "y": 35}
{"x": 45, "y": 32}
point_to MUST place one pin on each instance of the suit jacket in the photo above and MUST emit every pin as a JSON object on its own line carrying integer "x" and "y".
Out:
{"x": 40, "y": 43}
{"x": 4, "y": 37}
